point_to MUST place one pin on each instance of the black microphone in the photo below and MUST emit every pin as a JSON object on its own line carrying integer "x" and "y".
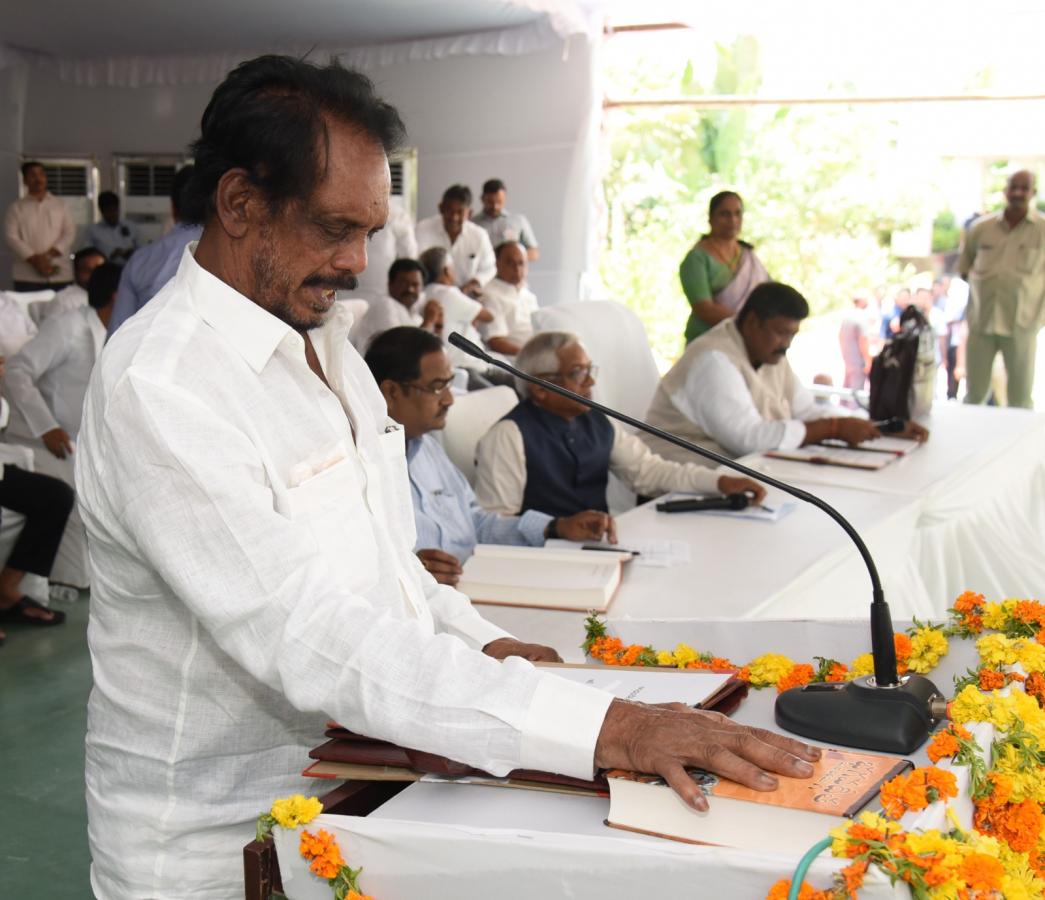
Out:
{"x": 872, "y": 712}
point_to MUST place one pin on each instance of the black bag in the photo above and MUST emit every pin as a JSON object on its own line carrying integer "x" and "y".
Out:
{"x": 902, "y": 374}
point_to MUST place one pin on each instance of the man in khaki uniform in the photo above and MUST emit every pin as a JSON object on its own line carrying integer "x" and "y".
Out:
{"x": 1003, "y": 259}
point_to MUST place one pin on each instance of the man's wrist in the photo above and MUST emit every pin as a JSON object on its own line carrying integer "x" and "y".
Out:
{"x": 552, "y": 530}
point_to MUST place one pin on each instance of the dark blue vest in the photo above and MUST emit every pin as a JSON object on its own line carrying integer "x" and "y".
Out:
{"x": 567, "y": 462}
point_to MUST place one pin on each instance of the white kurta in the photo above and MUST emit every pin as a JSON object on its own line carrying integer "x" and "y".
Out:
{"x": 383, "y": 313}
{"x": 394, "y": 241}
{"x": 252, "y": 535}
{"x": 68, "y": 298}
{"x": 34, "y": 226}
{"x": 16, "y": 328}
{"x": 472, "y": 252}
{"x": 513, "y": 307}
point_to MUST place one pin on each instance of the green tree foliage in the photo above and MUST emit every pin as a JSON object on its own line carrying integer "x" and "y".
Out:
{"x": 823, "y": 187}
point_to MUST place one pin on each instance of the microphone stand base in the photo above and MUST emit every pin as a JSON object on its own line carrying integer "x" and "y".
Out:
{"x": 860, "y": 714}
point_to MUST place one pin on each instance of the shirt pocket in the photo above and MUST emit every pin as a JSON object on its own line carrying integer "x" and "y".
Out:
{"x": 395, "y": 480}
{"x": 331, "y": 507}
{"x": 1028, "y": 257}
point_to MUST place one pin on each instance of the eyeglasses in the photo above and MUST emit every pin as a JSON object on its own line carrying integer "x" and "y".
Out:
{"x": 435, "y": 388}
{"x": 578, "y": 374}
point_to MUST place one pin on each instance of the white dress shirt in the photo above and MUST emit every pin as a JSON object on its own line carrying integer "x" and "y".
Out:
{"x": 513, "y": 307}
{"x": 67, "y": 299}
{"x": 501, "y": 468}
{"x": 383, "y": 313}
{"x": 459, "y": 311}
{"x": 394, "y": 241}
{"x": 252, "y": 533}
{"x": 16, "y": 328}
{"x": 35, "y": 226}
{"x": 472, "y": 252}
{"x": 716, "y": 398}
{"x": 47, "y": 379}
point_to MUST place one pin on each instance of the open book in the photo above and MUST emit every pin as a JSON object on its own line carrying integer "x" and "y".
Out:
{"x": 822, "y": 455}
{"x": 575, "y": 580}
{"x": 884, "y": 444}
{"x": 788, "y": 820}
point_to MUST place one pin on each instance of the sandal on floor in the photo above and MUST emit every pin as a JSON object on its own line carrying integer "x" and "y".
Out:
{"x": 17, "y": 613}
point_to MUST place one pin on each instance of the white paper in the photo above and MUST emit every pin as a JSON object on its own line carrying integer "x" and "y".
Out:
{"x": 647, "y": 685}
{"x": 658, "y": 553}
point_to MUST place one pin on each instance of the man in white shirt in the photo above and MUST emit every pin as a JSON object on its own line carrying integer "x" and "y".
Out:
{"x": 555, "y": 455}
{"x": 469, "y": 245}
{"x": 16, "y": 328}
{"x": 85, "y": 261}
{"x": 510, "y": 300}
{"x": 734, "y": 392}
{"x": 246, "y": 497}
{"x": 406, "y": 283}
{"x": 39, "y": 231}
{"x": 459, "y": 313}
{"x": 46, "y": 383}
{"x": 502, "y": 225}
{"x": 115, "y": 237}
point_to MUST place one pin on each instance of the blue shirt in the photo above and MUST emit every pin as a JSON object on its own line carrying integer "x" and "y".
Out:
{"x": 448, "y": 516}
{"x": 110, "y": 238}
{"x": 149, "y": 270}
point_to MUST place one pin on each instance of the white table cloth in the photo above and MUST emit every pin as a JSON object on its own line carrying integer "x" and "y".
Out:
{"x": 450, "y": 841}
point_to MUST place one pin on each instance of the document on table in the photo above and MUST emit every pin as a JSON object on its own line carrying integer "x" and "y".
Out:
{"x": 769, "y": 511}
{"x": 653, "y": 552}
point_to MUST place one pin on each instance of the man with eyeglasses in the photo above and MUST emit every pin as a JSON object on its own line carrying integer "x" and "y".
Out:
{"x": 555, "y": 455}
{"x": 414, "y": 374}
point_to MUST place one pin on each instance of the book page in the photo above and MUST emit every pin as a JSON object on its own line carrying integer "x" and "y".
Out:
{"x": 591, "y": 572}
{"x": 647, "y": 685}
{"x": 836, "y": 456}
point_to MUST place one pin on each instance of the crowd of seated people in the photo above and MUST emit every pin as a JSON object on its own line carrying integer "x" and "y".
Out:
{"x": 542, "y": 470}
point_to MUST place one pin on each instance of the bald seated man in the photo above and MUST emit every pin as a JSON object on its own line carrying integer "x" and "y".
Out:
{"x": 510, "y": 300}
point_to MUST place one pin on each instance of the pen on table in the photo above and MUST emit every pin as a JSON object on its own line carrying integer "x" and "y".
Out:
{"x": 610, "y": 549}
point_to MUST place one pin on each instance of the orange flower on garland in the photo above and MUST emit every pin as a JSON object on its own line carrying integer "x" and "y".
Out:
{"x": 916, "y": 790}
{"x": 991, "y": 679}
{"x": 902, "y": 643}
{"x": 1018, "y": 824}
{"x": 981, "y": 873}
{"x": 970, "y": 607}
{"x": 838, "y": 672}
{"x": 1029, "y": 611}
{"x": 945, "y": 742}
{"x": 322, "y": 853}
{"x": 1035, "y": 686}
{"x": 853, "y": 875}
{"x": 782, "y": 888}
{"x": 800, "y": 674}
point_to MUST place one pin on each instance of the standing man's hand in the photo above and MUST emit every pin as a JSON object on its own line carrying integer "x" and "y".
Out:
{"x": 855, "y": 431}
{"x": 665, "y": 741}
{"x": 915, "y": 432}
{"x": 443, "y": 567}
{"x": 58, "y": 442}
{"x": 505, "y": 647}
{"x": 589, "y": 525}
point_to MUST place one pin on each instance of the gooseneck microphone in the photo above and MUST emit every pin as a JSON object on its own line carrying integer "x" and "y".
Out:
{"x": 879, "y": 712}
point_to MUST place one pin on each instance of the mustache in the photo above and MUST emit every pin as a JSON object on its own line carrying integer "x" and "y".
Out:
{"x": 341, "y": 282}
{"x": 780, "y": 352}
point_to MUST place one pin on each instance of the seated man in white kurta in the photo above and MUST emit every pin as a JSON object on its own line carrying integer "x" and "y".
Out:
{"x": 246, "y": 498}
{"x": 510, "y": 300}
{"x": 404, "y": 304}
{"x": 734, "y": 392}
{"x": 85, "y": 261}
{"x": 46, "y": 383}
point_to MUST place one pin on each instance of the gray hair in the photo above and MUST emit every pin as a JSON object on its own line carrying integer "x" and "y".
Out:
{"x": 435, "y": 260}
{"x": 540, "y": 355}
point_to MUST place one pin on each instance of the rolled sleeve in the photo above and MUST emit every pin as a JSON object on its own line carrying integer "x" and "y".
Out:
{"x": 563, "y": 726}
{"x": 646, "y": 473}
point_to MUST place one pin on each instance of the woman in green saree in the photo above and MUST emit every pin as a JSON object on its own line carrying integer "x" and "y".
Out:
{"x": 721, "y": 270}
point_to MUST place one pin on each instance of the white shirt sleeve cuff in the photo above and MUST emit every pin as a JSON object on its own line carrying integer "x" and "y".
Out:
{"x": 477, "y": 632}
{"x": 562, "y": 727}
{"x": 794, "y": 434}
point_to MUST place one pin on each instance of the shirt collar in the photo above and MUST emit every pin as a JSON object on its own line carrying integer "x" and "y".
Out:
{"x": 253, "y": 332}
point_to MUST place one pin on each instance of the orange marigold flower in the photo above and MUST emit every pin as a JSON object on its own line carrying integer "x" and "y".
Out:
{"x": 943, "y": 744}
{"x": 903, "y": 646}
{"x": 991, "y": 679}
{"x": 1035, "y": 686}
{"x": 744, "y": 674}
{"x": 981, "y": 872}
{"x": 1029, "y": 611}
{"x": 853, "y": 875}
{"x": 839, "y": 672}
{"x": 782, "y": 888}
{"x": 720, "y": 662}
{"x": 630, "y": 655}
{"x": 972, "y": 623}
{"x": 912, "y": 791}
{"x": 968, "y": 601}
{"x": 322, "y": 849}
{"x": 799, "y": 675}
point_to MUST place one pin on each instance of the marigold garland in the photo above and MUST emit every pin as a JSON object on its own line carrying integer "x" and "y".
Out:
{"x": 1004, "y": 854}
{"x": 318, "y": 849}
{"x": 920, "y": 651}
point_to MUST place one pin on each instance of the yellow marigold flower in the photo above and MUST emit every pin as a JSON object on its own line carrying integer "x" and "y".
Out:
{"x": 1009, "y": 606}
{"x": 1031, "y": 655}
{"x": 1026, "y": 783}
{"x": 684, "y": 654}
{"x": 996, "y": 650}
{"x": 769, "y": 668}
{"x": 928, "y": 647}
{"x": 297, "y": 810}
{"x": 971, "y": 705}
{"x": 1020, "y": 878}
{"x": 994, "y": 616}
{"x": 665, "y": 658}
{"x": 862, "y": 665}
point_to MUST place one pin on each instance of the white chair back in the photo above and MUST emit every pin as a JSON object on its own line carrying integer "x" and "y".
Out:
{"x": 472, "y": 415}
{"x": 616, "y": 342}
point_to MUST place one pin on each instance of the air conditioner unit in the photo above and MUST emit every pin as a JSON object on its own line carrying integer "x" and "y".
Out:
{"x": 403, "y": 168}
{"x": 143, "y": 184}
{"x": 75, "y": 180}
